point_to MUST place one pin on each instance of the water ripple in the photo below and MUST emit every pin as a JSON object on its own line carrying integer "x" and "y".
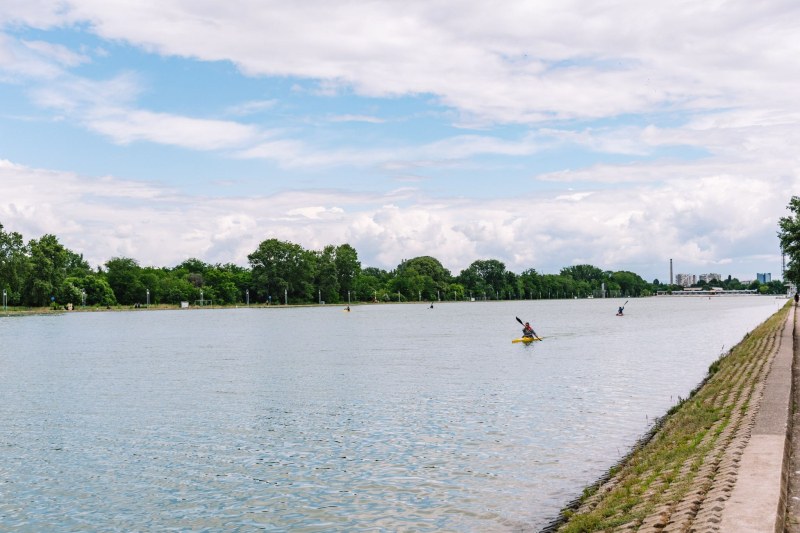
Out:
{"x": 385, "y": 419}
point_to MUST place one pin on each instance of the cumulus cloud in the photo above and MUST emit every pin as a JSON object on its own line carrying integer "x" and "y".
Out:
{"x": 675, "y": 126}
{"x": 689, "y": 221}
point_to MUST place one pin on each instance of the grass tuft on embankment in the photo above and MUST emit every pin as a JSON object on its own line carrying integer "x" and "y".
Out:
{"x": 680, "y": 458}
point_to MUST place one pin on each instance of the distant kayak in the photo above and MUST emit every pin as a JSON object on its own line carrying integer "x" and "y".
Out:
{"x": 526, "y": 340}
{"x": 620, "y": 314}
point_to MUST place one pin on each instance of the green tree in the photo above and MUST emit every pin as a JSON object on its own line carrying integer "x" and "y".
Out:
{"x": 279, "y": 266}
{"x": 371, "y": 284}
{"x": 776, "y": 287}
{"x": 512, "y": 286}
{"x": 174, "y": 289}
{"x": 557, "y": 286}
{"x": 589, "y": 273}
{"x": 227, "y": 282}
{"x": 421, "y": 277}
{"x": 455, "y": 291}
{"x": 327, "y": 278}
{"x": 14, "y": 265}
{"x": 123, "y": 275}
{"x": 76, "y": 266}
{"x": 630, "y": 284}
{"x": 348, "y": 268}
{"x": 97, "y": 289}
{"x": 789, "y": 237}
{"x": 48, "y": 261}
{"x": 69, "y": 292}
{"x": 531, "y": 284}
{"x": 484, "y": 276}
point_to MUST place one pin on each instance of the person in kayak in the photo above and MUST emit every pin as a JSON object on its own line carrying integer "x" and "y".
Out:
{"x": 527, "y": 331}
{"x": 620, "y": 311}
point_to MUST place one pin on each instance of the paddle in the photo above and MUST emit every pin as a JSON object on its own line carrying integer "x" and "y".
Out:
{"x": 523, "y": 323}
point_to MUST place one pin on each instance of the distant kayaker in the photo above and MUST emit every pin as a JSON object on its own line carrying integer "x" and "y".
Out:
{"x": 527, "y": 331}
{"x": 347, "y": 308}
{"x": 620, "y": 311}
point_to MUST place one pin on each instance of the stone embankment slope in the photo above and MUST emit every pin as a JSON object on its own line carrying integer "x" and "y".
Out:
{"x": 717, "y": 461}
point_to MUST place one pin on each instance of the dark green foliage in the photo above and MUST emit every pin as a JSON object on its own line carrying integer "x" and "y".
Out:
{"x": 124, "y": 276}
{"x": 14, "y": 266}
{"x": 789, "y": 236}
{"x": 283, "y": 270}
{"x": 48, "y": 271}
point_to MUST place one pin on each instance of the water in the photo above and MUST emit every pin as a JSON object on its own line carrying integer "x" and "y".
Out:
{"x": 387, "y": 418}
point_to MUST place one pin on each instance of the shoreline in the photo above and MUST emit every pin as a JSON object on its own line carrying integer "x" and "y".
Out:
{"x": 681, "y": 475}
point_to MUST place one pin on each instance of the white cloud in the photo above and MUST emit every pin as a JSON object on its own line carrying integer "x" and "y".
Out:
{"x": 521, "y": 63}
{"x": 357, "y": 118}
{"x": 252, "y": 107}
{"x": 711, "y": 86}
{"x": 57, "y": 52}
{"x": 125, "y": 126}
{"x": 695, "y": 222}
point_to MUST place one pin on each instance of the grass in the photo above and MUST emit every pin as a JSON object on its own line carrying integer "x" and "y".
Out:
{"x": 685, "y": 447}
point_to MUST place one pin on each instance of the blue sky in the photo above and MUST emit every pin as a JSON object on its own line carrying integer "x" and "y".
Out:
{"x": 544, "y": 134}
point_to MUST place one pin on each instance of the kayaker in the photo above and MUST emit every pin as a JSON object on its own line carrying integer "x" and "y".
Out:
{"x": 527, "y": 331}
{"x": 620, "y": 311}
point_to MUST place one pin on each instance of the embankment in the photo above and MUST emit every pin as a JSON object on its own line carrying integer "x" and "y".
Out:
{"x": 681, "y": 476}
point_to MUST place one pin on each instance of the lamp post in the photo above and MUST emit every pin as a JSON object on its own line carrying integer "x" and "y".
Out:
{"x": 247, "y": 296}
{"x": 348, "y": 298}
{"x": 83, "y": 297}
{"x": 319, "y": 296}
{"x": 4, "y": 299}
{"x": 285, "y": 297}
{"x": 148, "y": 297}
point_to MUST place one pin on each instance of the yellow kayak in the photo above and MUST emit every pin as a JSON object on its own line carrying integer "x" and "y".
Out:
{"x": 526, "y": 340}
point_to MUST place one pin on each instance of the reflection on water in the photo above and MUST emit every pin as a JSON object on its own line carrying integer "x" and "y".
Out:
{"x": 394, "y": 417}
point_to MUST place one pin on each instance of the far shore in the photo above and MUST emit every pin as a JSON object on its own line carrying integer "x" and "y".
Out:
{"x": 24, "y": 311}
{"x": 62, "y": 309}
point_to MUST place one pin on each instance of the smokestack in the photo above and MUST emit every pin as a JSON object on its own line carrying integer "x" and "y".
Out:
{"x": 670, "y": 272}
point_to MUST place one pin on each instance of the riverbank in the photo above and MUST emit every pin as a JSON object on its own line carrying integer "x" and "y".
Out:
{"x": 717, "y": 460}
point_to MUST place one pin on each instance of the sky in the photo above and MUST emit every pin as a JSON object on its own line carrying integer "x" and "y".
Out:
{"x": 546, "y": 134}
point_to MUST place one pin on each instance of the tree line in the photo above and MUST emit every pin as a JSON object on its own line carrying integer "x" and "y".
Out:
{"x": 44, "y": 272}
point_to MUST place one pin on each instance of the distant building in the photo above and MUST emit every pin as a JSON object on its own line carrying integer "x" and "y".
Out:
{"x": 764, "y": 278}
{"x": 685, "y": 280}
{"x": 708, "y": 278}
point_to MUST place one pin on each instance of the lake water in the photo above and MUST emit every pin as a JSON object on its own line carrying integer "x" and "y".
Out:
{"x": 388, "y": 418}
